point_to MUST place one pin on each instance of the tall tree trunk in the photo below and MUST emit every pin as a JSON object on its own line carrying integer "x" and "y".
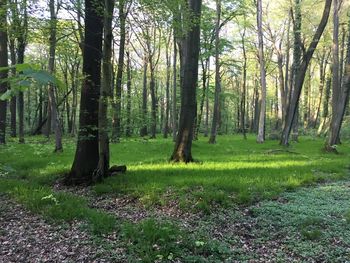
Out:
{"x": 13, "y": 102}
{"x": 128, "y": 130}
{"x": 216, "y": 111}
{"x": 21, "y": 46}
{"x": 143, "y": 131}
{"x": 3, "y": 73}
{"x": 118, "y": 99}
{"x": 167, "y": 89}
{"x": 244, "y": 85}
{"x": 152, "y": 87}
{"x": 52, "y": 96}
{"x": 87, "y": 152}
{"x": 342, "y": 93}
{"x": 262, "y": 116}
{"x": 105, "y": 93}
{"x": 190, "y": 47}
{"x": 174, "y": 95}
{"x": 301, "y": 74}
{"x": 205, "y": 71}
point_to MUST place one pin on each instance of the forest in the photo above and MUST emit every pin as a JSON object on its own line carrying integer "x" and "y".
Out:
{"x": 174, "y": 131}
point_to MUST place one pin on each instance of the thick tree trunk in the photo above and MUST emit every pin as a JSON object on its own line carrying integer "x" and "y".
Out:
{"x": 262, "y": 116}
{"x": 87, "y": 151}
{"x": 301, "y": 74}
{"x": 191, "y": 44}
{"x": 3, "y": 73}
{"x": 216, "y": 111}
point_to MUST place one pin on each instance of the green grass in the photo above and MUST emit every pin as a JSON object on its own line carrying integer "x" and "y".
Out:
{"x": 232, "y": 171}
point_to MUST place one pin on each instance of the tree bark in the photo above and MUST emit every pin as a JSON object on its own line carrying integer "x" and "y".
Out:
{"x": 52, "y": 97}
{"x": 87, "y": 152}
{"x": 118, "y": 99}
{"x": 190, "y": 47}
{"x": 216, "y": 111}
{"x": 262, "y": 116}
{"x": 301, "y": 74}
{"x": 339, "y": 105}
{"x": 3, "y": 73}
{"x": 102, "y": 169}
{"x": 128, "y": 130}
{"x": 143, "y": 131}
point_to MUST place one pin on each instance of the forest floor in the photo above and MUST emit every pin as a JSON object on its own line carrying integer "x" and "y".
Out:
{"x": 245, "y": 203}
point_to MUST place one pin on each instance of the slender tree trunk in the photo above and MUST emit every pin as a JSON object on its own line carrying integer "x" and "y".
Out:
{"x": 191, "y": 44}
{"x": 301, "y": 74}
{"x": 216, "y": 112}
{"x": 167, "y": 90}
{"x": 152, "y": 87}
{"x": 13, "y": 102}
{"x": 87, "y": 152}
{"x": 52, "y": 96}
{"x": 102, "y": 169}
{"x": 342, "y": 93}
{"x": 3, "y": 73}
{"x": 118, "y": 100}
{"x": 205, "y": 71}
{"x": 244, "y": 85}
{"x": 262, "y": 116}
{"x": 174, "y": 95}
{"x": 143, "y": 131}
{"x": 128, "y": 131}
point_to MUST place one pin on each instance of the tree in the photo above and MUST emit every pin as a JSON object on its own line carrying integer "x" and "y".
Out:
{"x": 216, "y": 114}
{"x": 3, "y": 63}
{"x": 190, "y": 50}
{"x": 300, "y": 74}
{"x": 262, "y": 116}
{"x": 105, "y": 94}
{"x": 54, "y": 7}
{"x": 87, "y": 152}
{"x": 342, "y": 97}
{"x": 118, "y": 88}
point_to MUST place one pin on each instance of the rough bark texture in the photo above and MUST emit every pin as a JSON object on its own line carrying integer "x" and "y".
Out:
{"x": 3, "y": 73}
{"x": 87, "y": 152}
{"x": 190, "y": 48}
{"x": 301, "y": 74}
